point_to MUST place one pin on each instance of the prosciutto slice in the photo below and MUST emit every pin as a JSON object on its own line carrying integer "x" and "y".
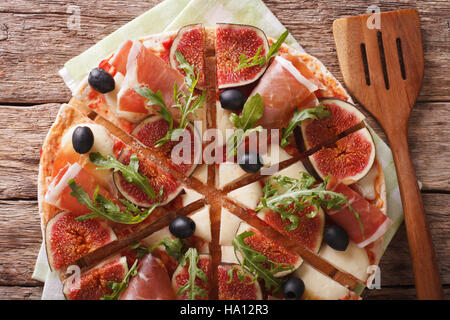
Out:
{"x": 152, "y": 282}
{"x": 142, "y": 67}
{"x": 374, "y": 222}
{"x": 58, "y": 193}
{"x": 284, "y": 90}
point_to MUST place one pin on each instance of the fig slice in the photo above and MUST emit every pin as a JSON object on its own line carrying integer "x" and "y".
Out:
{"x": 67, "y": 239}
{"x": 237, "y": 288}
{"x": 154, "y": 127}
{"x": 181, "y": 276}
{"x": 309, "y": 231}
{"x": 157, "y": 178}
{"x": 93, "y": 284}
{"x": 232, "y": 41}
{"x": 190, "y": 42}
{"x": 269, "y": 248}
{"x": 348, "y": 160}
{"x": 344, "y": 116}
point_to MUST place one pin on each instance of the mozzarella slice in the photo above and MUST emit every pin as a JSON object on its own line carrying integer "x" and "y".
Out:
{"x": 248, "y": 196}
{"x": 228, "y": 255}
{"x": 318, "y": 286}
{"x": 202, "y": 223}
{"x": 353, "y": 260}
{"x": 190, "y": 196}
{"x": 201, "y": 173}
{"x": 229, "y": 224}
{"x": 103, "y": 142}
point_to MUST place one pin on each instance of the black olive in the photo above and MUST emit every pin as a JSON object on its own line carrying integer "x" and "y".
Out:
{"x": 101, "y": 81}
{"x": 82, "y": 139}
{"x": 336, "y": 237}
{"x": 182, "y": 227}
{"x": 250, "y": 162}
{"x": 293, "y": 288}
{"x": 232, "y": 99}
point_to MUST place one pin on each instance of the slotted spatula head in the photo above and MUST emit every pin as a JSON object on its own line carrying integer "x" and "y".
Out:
{"x": 382, "y": 68}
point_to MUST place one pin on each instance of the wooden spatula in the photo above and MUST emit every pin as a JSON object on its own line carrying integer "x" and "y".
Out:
{"x": 383, "y": 70}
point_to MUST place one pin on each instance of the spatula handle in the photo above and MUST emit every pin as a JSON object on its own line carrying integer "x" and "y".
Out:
{"x": 426, "y": 271}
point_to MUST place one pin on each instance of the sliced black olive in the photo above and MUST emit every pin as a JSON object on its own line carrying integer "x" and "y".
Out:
{"x": 82, "y": 139}
{"x": 336, "y": 237}
{"x": 293, "y": 288}
{"x": 182, "y": 227}
{"x": 101, "y": 81}
{"x": 232, "y": 99}
{"x": 250, "y": 162}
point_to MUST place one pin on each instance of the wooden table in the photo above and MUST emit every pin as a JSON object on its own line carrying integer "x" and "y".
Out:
{"x": 35, "y": 42}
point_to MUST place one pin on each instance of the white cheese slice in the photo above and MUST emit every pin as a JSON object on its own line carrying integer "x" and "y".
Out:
{"x": 319, "y": 286}
{"x": 248, "y": 196}
{"x": 229, "y": 224}
{"x": 153, "y": 239}
{"x": 354, "y": 259}
{"x": 202, "y": 223}
{"x": 228, "y": 172}
{"x": 190, "y": 196}
{"x": 201, "y": 173}
{"x": 223, "y": 122}
{"x": 228, "y": 255}
{"x": 103, "y": 142}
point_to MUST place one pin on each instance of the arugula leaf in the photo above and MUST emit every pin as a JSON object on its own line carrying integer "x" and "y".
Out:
{"x": 119, "y": 287}
{"x": 130, "y": 172}
{"x": 102, "y": 207}
{"x": 318, "y": 112}
{"x": 284, "y": 195}
{"x": 255, "y": 263}
{"x": 245, "y": 123}
{"x": 157, "y": 100}
{"x": 257, "y": 59}
{"x": 174, "y": 248}
{"x": 192, "y": 289}
{"x": 187, "y": 103}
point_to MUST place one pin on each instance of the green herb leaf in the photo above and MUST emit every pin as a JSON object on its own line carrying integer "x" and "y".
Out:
{"x": 119, "y": 287}
{"x": 192, "y": 289}
{"x": 285, "y": 196}
{"x": 255, "y": 263}
{"x": 245, "y": 123}
{"x": 130, "y": 172}
{"x": 257, "y": 59}
{"x": 187, "y": 103}
{"x": 102, "y": 207}
{"x": 318, "y": 112}
{"x": 174, "y": 248}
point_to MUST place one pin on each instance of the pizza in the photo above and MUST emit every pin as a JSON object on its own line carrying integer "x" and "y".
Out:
{"x": 211, "y": 163}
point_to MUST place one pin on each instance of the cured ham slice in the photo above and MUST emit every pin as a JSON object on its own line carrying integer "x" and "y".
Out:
{"x": 144, "y": 68}
{"x": 284, "y": 89}
{"x": 374, "y": 222}
{"x": 58, "y": 193}
{"x": 152, "y": 282}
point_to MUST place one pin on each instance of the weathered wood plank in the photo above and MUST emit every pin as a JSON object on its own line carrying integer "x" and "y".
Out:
{"x": 20, "y": 238}
{"x": 23, "y": 130}
{"x": 20, "y": 293}
{"x": 35, "y": 41}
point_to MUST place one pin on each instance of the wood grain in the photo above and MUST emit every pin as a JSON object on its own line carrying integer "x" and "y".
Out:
{"x": 37, "y": 42}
